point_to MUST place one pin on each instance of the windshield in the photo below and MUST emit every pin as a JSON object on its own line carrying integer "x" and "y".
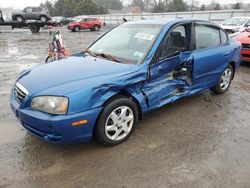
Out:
{"x": 235, "y": 21}
{"x": 127, "y": 43}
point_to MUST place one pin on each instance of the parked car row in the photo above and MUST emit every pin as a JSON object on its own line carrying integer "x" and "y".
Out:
{"x": 75, "y": 24}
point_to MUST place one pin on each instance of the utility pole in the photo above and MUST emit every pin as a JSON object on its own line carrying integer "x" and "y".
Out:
{"x": 192, "y": 6}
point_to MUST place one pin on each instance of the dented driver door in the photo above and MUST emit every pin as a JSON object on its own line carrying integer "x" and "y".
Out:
{"x": 169, "y": 74}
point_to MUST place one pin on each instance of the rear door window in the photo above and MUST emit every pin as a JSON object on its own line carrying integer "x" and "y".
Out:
{"x": 206, "y": 36}
{"x": 36, "y": 9}
{"x": 90, "y": 19}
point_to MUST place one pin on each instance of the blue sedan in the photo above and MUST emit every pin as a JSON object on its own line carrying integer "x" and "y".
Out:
{"x": 134, "y": 68}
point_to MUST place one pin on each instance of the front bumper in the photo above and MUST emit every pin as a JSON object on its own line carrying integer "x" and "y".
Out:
{"x": 56, "y": 129}
{"x": 70, "y": 27}
{"x": 245, "y": 55}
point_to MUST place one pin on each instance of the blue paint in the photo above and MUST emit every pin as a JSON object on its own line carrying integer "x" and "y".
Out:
{"x": 88, "y": 82}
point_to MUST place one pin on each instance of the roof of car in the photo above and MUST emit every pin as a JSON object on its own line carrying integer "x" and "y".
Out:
{"x": 167, "y": 21}
{"x": 241, "y": 17}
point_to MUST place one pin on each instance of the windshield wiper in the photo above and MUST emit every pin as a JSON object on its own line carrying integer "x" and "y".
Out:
{"x": 106, "y": 56}
{"x": 90, "y": 53}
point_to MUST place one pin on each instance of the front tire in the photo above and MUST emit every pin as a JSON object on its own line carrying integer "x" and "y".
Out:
{"x": 224, "y": 82}
{"x": 19, "y": 19}
{"x": 117, "y": 122}
{"x": 96, "y": 28}
{"x": 76, "y": 29}
{"x": 43, "y": 19}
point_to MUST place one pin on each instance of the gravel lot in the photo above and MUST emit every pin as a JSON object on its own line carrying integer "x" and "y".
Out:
{"x": 200, "y": 141}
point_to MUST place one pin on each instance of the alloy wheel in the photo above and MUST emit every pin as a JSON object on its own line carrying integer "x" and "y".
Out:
{"x": 19, "y": 19}
{"x": 226, "y": 79}
{"x": 43, "y": 19}
{"x": 119, "y": 123}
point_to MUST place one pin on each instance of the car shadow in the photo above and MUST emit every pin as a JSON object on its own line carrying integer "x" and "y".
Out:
{"x": 245, "y": 64}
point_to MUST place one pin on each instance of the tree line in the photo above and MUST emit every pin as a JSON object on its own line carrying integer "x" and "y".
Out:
{"x": 70, "y": 8}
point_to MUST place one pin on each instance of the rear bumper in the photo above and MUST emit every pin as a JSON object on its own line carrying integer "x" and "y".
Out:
{"x": 56, "y": 129}
{"x": 245, "y": 55}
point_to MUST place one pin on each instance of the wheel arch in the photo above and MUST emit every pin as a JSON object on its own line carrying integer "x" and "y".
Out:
{"x": 43, "y": 15}
{"x": 16, "y": 15}
{"x": 76, "y": 26}
{"x": 232, "y": 63}
{"x": 121, "y": 93}
{"x": 125, "y": 93}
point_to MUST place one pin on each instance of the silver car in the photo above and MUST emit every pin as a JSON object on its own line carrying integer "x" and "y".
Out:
{"x": 32, "y": 13}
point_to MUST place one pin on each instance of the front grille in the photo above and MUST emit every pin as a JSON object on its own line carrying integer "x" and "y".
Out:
{"x": 20, "y": 92}
{"x": 246, "y": 46}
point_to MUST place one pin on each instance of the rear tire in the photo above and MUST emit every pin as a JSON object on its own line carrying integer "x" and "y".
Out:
{"x": 224, "y": 82}
{"x": 117, "y": 121}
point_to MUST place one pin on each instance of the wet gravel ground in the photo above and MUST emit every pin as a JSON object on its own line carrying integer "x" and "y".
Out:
{"x": 200, "y": 141}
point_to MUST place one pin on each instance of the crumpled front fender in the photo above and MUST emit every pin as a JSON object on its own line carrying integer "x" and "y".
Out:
{"x": 95, "y": 96}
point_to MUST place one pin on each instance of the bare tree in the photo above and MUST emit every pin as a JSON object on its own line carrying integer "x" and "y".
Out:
{"x": 160, "y": 5}
{"x": 143, "y": 4}
{"x": 160, "y": 2}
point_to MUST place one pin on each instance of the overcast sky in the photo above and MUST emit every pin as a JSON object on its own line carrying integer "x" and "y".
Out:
{"x": 20, "y": 4}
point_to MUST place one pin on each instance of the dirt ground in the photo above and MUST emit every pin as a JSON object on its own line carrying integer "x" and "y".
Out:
{"x": 200, "y": 141}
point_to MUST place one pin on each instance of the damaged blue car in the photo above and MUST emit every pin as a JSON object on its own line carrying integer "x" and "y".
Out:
{"x": 134, "y": 68}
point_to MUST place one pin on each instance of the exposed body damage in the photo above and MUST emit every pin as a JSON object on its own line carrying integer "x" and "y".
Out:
{"x": 90, "y": 82}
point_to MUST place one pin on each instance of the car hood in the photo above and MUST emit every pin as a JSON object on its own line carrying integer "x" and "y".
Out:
{"x": 73, "y": 23}
{"x": 243, "y": 37}
{"x": 231, "y": 27}
{"x": 66, "y": 75}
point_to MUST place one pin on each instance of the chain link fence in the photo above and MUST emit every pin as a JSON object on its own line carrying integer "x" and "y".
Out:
{"x": 214, "y": 16}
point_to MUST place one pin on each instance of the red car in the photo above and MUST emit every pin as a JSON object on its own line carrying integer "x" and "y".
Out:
{"x": 94, "y": 24}
{"x": 244, "y": 39}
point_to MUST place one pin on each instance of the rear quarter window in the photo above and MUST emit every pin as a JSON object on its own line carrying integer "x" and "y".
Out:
{"x": 37, "y": 9}
{"x": 224, "y": 37}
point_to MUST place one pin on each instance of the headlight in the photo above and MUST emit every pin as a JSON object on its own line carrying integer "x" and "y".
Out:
{"x": 50, "y": 104}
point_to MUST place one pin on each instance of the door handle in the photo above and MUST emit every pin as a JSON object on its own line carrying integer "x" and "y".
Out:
{"x": 226, "y": 53}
